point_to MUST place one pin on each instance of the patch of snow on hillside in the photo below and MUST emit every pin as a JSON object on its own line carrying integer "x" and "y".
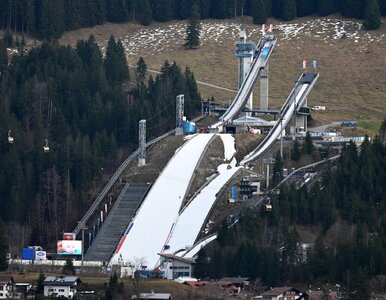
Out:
{"x": 329, "y": 30}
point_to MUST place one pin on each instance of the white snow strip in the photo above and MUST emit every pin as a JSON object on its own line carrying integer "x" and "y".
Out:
{"x": 229, "y": 146}
{"x": 192, "y": 252}
{"x": 146, "y": 235}
{"x": 193, "y": 216}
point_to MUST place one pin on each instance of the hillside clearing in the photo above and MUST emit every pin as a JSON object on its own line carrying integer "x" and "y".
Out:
{"x": 350, "y": 60}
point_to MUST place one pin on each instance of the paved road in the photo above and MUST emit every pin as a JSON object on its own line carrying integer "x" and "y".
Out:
{"x": 323, "y": 128}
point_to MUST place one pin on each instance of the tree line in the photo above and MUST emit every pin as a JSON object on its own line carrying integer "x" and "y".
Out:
{"x": 345, "y": 209}
{"x": 86, "y": 106}
{"x": 49, "y": 19}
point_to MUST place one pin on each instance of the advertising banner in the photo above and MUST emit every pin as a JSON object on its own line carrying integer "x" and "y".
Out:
{"x": 68, "y": 236}
{"x": 28, "y": 253}
{"x": 41, "y": 255}
{"x": 68, "y": 247}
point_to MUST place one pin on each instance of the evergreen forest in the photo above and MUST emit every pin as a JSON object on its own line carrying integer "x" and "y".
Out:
{"x": 48, "y": 19}
{"x": 85, "y": 107}
{"x": 344, "y": 210}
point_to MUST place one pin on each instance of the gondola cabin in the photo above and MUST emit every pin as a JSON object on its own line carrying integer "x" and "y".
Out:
{"x": 268, "y": 207}
{"x": 10, "y": 138}
{"x": 46, "y": 149}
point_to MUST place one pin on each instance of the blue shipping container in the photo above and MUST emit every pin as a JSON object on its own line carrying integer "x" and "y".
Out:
{"x": 348, "y": 124}
{"x": 189, "y": 127}
{"x": 28, "y": 253}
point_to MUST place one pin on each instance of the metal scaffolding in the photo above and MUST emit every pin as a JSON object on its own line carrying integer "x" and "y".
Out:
{"x": 179, "y": 113}
{"x": 142, "y": 143}
{"x": 264, "y": 79}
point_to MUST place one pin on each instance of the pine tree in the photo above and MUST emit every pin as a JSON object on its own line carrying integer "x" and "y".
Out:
{"x": 288, "y": 10}
{"x": 117, "y": 11}
{"x": 182, "y": 9}
{"x": 305, "y": 7}
{"x": 382, "y": 132}
{"x": 68, "y": 268}
{"x": 72, "y": 12}
{"x": 39, "y": 284}
{"x": 308, "y": 146}
{"x": 51, "y": 22}
{"x": 205, "y": 9}
{"x": 3, "y": 248}
{"x": 3, "y": 58}
{"x": 382, "y": 5}
{"x": 372, "y": 15}
{"x": 295, "y": 152}
{"x": 115, "y": 62}
{"x": 276, "y": 8}
{"x": 259, "y": 12}
{"x": 218, "y": 9}
{"x": 112, "y": 289}
{"x": 146, "y": 16}
{"x": 201, "y": 264}
{"x": 141, "y": 70}
{"x": 326, "y": 7}
{"x": 193, "y": 29}
{"x": 162, "y": 10}
{"x": 353, "y": 8}
{"x": 268, "y": 7}
{"x": 277, "y": 175}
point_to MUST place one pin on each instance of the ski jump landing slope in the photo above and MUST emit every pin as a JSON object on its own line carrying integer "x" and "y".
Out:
{"x": 193, "y": 216}
{"x": 146, "y": 234}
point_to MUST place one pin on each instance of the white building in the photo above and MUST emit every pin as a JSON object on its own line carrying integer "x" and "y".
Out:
{"x": 6, "y": 286}
{"x": 284, "y": 293}
{"x": 175, "y": 266}
{"x": 60, "y": 286}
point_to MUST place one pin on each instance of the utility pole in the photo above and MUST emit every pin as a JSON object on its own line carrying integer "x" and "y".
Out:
{"x": 295, "y": 89}
{"x": 281, "y": 137}
{"x": 82, "y": 227}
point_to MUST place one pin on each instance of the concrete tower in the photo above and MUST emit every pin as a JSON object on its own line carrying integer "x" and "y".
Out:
{"x": 244, "y": 53}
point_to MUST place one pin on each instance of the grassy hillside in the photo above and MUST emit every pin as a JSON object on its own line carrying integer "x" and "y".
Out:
{"x": 351, "y": 60}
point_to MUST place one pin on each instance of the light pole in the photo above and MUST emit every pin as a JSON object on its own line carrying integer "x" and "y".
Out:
{"x": 267, "y": 162}
{"x": 82, "y": 227}
{"x": 281, "y": 137}
{"x": 295, "y": 88}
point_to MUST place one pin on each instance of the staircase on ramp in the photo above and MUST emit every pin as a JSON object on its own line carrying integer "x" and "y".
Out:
{"x": 116, "y": 222}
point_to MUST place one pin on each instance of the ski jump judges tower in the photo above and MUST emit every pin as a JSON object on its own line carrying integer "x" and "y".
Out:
{"x": 245, "y": 52}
